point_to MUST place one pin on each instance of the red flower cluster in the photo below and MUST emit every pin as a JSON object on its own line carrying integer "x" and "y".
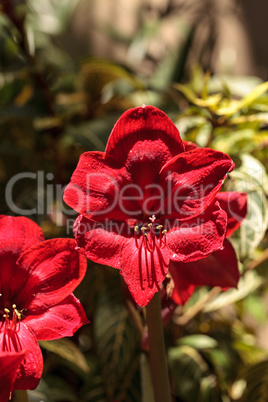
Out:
{"x": 37, "y": 279}
{"x": 148, "y": 203}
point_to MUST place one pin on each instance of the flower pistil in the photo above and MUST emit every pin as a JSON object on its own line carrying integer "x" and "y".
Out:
{"x": 11, "y": 319}
{"x": 150, "y": 235}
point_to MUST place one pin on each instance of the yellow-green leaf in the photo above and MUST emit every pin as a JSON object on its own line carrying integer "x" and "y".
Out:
{"x": 244, "y": 102}
{"x": 211, "y": 101}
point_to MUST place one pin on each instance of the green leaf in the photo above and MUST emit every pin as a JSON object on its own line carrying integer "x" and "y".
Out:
{"x": 68, "y": 350}
{"x": 91, "y": 135}
{"x": 198, "y": 341}
{"x": 236, "y": 106}
{"x": 105, "y": 71}
{"x": 247, "y": 284}
{"x": 192, "y": 376}
{"x": 232, "y": 142}
{"x": 187, "y": 368}
{"x": 57, "y": 13}
{"x": 36, "y": 396}
{"x": 211, "y": 101}
{"x": 256, "y": 307}
{"x": 247, "y": 348}
{"x": 209, "y": 392}
{"x": 252, "y": 118}
{"x": 256, "y": 378}
{"x": 237, "y": 85}
{"x": 117, "y": 342}
{"x": 11, "y": 85}
{"x": 52, "y": 389}
{"x": 94, "y": 390}
{"x": 251, "y": 177}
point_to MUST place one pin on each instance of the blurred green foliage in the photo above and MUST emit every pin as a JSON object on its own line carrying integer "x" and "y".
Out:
{"x": 52, "y": 110}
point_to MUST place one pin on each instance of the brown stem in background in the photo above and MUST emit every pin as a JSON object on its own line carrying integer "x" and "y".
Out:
{"x": 21, "y": 396}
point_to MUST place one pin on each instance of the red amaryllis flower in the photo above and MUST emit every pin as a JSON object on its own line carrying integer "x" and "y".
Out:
{"x": 145, "y": 201}
{"x": 37, "y": 278}
{"x": 221, "y": 267}
{"x": 9, "y": 363}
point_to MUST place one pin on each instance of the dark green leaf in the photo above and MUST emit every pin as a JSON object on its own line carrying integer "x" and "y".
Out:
{"x": 117, "y": 342}
{"x": 66, "y": 349}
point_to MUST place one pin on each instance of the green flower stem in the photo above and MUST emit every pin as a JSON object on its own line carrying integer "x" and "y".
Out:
{"x": 21, "y": 396}
{"x": 158, "y": 358}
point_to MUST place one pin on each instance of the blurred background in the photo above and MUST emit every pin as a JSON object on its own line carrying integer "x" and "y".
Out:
{"x": 223, "y": 36}
{"x": 68, "y": 70}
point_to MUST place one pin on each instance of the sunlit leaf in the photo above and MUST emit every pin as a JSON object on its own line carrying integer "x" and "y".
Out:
{"x": 186, "y": 124}
{"x": 237, "y": 85}
{"x": 251, "y": 178}
{"x": 50, "y": 16}
{"x": 244, "y": 102}
{"x": 106, "y": 71}
{"x": 252, "y": 118}
{"x": 247, "y": 284}
{"x": 211, "y": 101}
{"x": 235, "y": 140}
{"x": 250, "y": 352}
{"x": 198, "y": 341}
{"x": 256, "y": 307}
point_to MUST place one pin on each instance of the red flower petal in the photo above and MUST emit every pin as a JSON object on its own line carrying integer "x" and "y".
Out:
{"x": 101, "y": 241}
{"x": 114, "y": 185}
{"x": 193, "y": 179}
{"x": 143, "y": 139}
{"x": 199, "y": 237}
{"x": 182, "y": 290}
{"x": 218, "y": 269}
{"x": 235, "y": 205}
{"x": 58, "y": 321}
{"x": 95, "y": 187}
{"x": 54, "y": 270}
{"x": 30, "y": 370}
{"x": 143, "y": 271}
{"x": 148, "y": 125}
{"x": 18, "y": 234}
{"x": 9, "y": 363}
{"x": 188, "y": 145}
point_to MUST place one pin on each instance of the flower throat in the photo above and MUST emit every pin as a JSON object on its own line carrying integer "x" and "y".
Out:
{"x": 150, "y": 236}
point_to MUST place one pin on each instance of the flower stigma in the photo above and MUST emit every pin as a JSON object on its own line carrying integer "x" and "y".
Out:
{"x": 150, "y": 235}
{"x": 11, "y": 319}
